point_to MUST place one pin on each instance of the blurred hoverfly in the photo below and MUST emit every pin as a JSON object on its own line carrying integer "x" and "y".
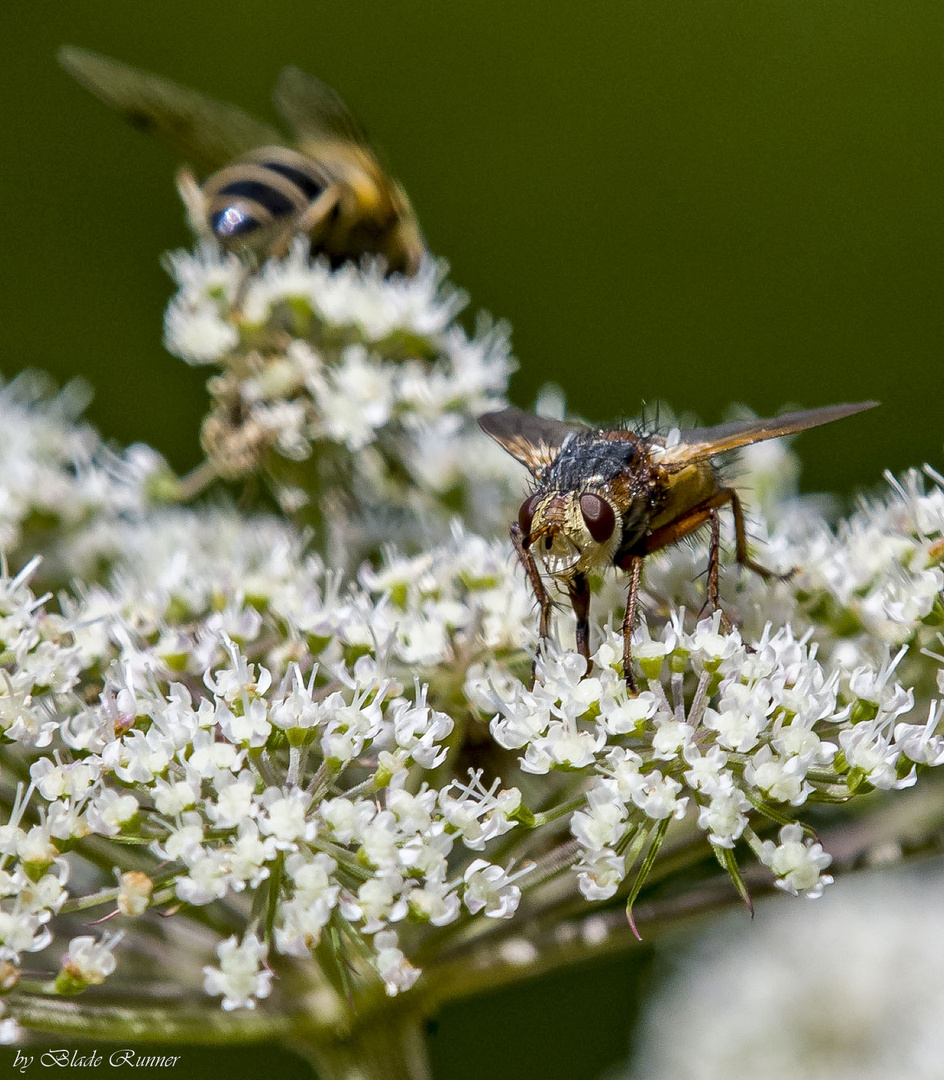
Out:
{"x": 260, "y": 192}
{"x": 610, "y": 498}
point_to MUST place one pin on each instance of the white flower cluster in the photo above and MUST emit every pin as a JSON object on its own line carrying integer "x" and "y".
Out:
{"x": 864, "y": 1004}
{"x": 722, "y": 730}
{"x": 880, "y": 575}
{"x": 375, "y": 372}
{"x": 58, "y": 476}
{"x": 345, "y": 778}
{"x": 876, "y": 582}
{"x": 247, "y": 722}
{"x": 258, "y": 727}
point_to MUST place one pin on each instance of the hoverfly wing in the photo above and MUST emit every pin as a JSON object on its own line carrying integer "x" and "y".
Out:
{"x": 701, "y": 443}
{"x": 315, "y": 111}
{"x": 535, "y": 441}
{"x": 328, "y": 132}
{"x": 209, "y": 133}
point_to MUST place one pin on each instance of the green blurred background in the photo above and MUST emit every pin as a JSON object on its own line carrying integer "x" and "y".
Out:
{"x": 707, "y": 202}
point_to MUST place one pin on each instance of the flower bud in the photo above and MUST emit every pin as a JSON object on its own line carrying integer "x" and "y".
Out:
{"x": 134, "y": 894}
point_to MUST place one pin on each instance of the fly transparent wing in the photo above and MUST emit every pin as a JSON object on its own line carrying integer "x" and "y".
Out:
{"x": 701, "y": 443}
{"x": 208, "y": 133}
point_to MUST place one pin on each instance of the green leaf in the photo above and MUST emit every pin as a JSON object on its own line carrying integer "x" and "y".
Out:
{"x": 725, "y": 856}
{"x": 658, "y": 835}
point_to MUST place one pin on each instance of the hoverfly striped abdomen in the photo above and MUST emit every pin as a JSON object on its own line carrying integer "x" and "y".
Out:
{"x": 265, "y": 190}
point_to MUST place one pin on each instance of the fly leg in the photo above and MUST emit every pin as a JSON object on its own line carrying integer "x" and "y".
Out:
{"x": 579, "y": 592}
{"x": 740, "y": 541}
{"x": 671, "y": 534}
{"x": 537, "y": 586}
{"x": 714, "y": 566}
{"x": 314, "y": 222}
{"x": 629, "y": 621}
{"x": 683, "y": 526}
{"x": 195, "y": 203}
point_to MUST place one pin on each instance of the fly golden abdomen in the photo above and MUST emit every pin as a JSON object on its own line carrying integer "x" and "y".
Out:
{"x": 683, "y": 490}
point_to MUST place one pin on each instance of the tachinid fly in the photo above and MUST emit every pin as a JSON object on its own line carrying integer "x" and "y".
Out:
{"x": 612, "y": 497}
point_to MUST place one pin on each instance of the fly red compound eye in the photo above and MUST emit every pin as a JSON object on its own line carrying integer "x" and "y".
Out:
{"x": 526, "y": 516}
{"x": 598, "y": 516}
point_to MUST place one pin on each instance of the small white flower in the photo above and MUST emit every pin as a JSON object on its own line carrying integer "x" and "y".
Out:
{"x": 355, "y": 397}
{"x": 301, "y": 927}
{"x": 173, "y": 797}
{"x": 478, "y": 813}
{"x": 198, "y": 335}
{"x": 397, "y": 972}
{"x": 89, "y": 962}
{"x": 239, "y": 978}
{"x": 738, "y": 729}
{"x": 284, "y": 817}
{"x": 725, "y": 817}
{"x": 625, "y": 768}
{"x": 564, "y": 746}
{"x": 54, "y": 781}
{"x": 601, "y": 825}
{"x": 797, "y": 862}
{"x": 918, "y": 742}
{"x": 868, "y": 748}
{"x": 206, "y": 880}
{"x": 313, "y": 878}
{"x": 234, "y": 803}
{"x": 671, "y": 737}
{"x": 36, "y": 847}
{"x": 380, "y": 900}
{"x": 600, "y": 874}
{"x": 109, "y": 812}
{"x": 246, "y": 861}
{"x": 657, "y": 796}
{"x": 622, "y": 715}
{"x": 523, "y": 720}
{"x": 182, "y": 842}
{"x": 22, "y": 932}
{"x": 707, "y": 772}
{"x": 436, "y": 902}
{"x": 783, "y": 780}
{"x": 490, "y": 889}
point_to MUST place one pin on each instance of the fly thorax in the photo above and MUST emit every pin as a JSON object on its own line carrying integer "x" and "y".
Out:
{"x": 573, "y": 532}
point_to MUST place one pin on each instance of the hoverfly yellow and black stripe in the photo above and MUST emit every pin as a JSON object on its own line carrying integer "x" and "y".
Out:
{"x": 258, "y": 192}
{"x": 262, "y": 192}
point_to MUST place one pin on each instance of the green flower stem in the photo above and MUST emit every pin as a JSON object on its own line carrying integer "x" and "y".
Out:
{"x": 389, "y": 1045}
{"x": 205, "y": 1026}
{"x": 83, "y": 903}
{"x": 386, "y": 1042}
{"x": 195, "y": 482}
{"x": 559, "y": 811}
